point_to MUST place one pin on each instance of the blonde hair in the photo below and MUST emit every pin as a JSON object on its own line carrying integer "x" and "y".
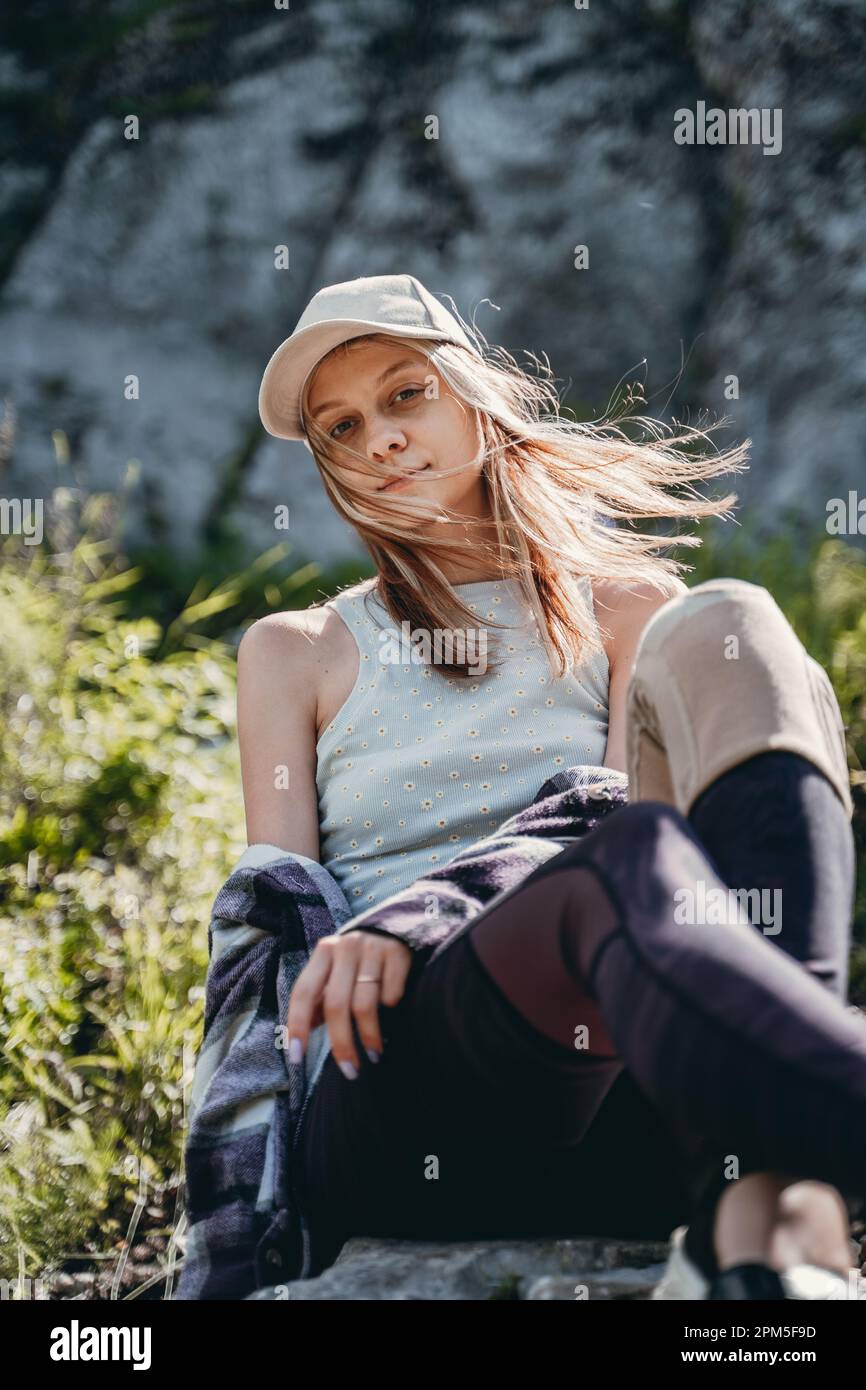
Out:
{"x": 554, "y": 486}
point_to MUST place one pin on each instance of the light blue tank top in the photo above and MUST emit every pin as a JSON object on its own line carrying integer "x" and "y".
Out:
{"x": 417, "y": 766}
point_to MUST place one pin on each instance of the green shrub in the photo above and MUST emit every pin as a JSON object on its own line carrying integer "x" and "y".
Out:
{"x": 120, "y": 815}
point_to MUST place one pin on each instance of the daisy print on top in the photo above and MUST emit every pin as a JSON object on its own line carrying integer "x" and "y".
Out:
{"x": 418, "y": 765}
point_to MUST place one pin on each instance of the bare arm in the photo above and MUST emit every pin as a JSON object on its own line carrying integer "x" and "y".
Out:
{"x": 276, "y": 697}
{"x": 277, "y": 714}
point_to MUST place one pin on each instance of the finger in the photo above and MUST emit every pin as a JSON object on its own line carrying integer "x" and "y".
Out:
{"x": 390, "y": 962}
{"x": 367, "y": 995}
{"x": 398, "y": 964}
{"x": 306, "y": 996}
{"x": 337, "y": 1002}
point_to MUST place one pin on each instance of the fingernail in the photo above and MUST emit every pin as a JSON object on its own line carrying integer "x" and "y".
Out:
{"x": 348, "y": 1070}
{"x": 296, "y": 1050}
{"x": 373, "y": 1054}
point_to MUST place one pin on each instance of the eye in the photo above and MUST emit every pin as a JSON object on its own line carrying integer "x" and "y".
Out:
{"x": 404, "y": 390}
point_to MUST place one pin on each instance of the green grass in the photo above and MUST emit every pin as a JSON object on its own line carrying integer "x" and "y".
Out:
{"x": 120, "y": 816}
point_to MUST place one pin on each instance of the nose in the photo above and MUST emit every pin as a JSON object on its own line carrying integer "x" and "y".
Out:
{"x": 385, "y": 444}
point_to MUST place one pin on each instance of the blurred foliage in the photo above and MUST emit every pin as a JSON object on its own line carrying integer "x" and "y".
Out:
{"x": 120, "y": 816}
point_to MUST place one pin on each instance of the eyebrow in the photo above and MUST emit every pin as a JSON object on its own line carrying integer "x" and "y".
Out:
{"x": 389, "y": 371}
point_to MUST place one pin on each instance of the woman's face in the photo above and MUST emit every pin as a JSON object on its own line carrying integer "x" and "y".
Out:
{"x": 390, "y": 405}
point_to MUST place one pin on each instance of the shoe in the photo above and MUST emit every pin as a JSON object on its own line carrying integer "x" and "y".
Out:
{"x": 683, "y": 1280}
{"x": 815, "y": 1281}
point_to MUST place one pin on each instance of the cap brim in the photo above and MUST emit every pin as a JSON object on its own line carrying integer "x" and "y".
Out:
{"x": 287, "y": 371}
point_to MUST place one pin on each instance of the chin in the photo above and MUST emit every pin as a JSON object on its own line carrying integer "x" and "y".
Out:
{"x": 383, "y": 513}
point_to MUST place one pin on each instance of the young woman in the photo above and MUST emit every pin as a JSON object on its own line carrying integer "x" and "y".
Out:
{"x": 487, "y": 514}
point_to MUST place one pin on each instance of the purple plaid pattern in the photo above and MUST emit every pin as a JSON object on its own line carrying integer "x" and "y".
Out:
{"x": 247, "y": 1229}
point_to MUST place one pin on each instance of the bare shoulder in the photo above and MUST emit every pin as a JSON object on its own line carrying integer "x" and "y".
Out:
{"x": 300, "y": 634}
{"x": 307, "y": 653}
{"x": 623, "y": 610}
{"x": 292, "y": 630}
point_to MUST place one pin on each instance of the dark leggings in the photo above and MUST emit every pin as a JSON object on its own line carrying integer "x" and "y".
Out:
{"x": 576, "y": 1059}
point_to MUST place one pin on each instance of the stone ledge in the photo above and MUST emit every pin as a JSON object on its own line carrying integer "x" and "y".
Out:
{"x": 600, "y": 1268}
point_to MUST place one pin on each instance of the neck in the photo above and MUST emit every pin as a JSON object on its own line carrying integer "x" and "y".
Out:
{"x": 473, "y": 561}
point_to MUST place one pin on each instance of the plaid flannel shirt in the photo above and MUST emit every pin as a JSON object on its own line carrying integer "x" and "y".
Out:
{"x": 248, "y": 1234}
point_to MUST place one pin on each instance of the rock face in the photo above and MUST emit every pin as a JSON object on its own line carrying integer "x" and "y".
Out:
{"x": 562, "y": 1270}
{"x": 565, "y": 1270}
{"x": 308, "y": 128}
{"x": 506, "y": 1269}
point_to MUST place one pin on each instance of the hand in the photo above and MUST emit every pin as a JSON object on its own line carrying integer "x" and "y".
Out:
{"x": 328, "y": 991}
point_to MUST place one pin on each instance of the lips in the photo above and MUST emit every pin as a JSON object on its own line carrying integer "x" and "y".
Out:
{"x": 404, "y": 478}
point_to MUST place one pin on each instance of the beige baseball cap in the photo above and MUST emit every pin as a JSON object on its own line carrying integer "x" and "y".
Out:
{"x": 397, "y": 304}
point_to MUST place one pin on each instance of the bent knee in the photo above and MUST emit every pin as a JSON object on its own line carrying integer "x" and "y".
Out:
{"x": 719, "y": 619}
